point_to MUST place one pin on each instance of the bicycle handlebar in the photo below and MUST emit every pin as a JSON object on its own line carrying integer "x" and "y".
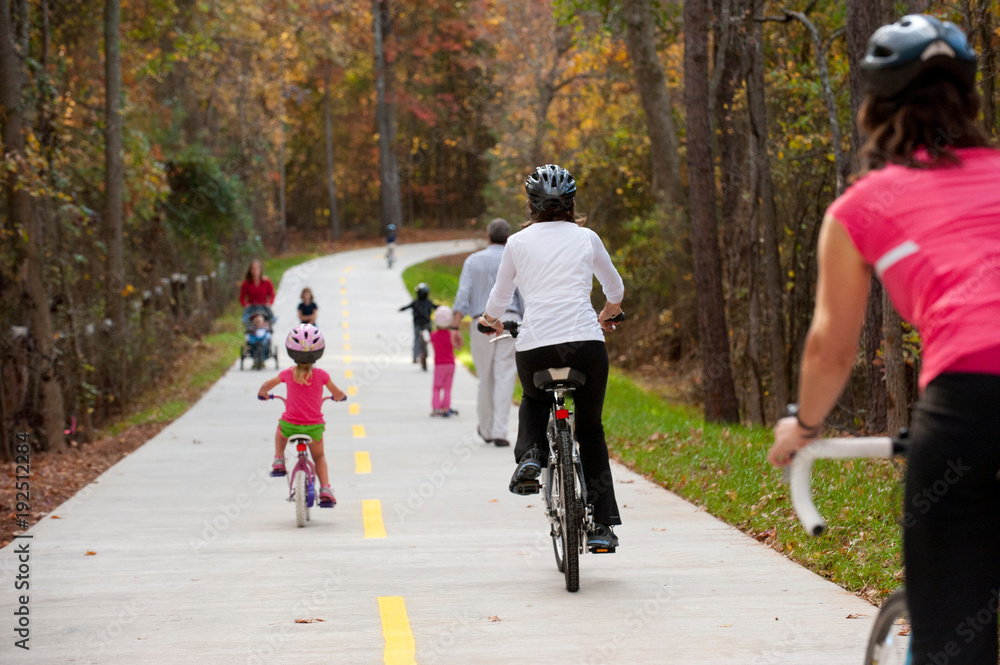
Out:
{"x": 512, "y": 326}
{"x": 800, "y": 470}
{"x": 273, "y": 396}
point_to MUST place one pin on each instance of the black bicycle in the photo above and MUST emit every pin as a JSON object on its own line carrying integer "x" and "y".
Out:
{"x": 563, "y": 486}
{"x": 889, "y": 642}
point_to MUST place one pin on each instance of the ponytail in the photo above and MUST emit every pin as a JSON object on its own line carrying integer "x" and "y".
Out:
{"x": 303, "y": 373}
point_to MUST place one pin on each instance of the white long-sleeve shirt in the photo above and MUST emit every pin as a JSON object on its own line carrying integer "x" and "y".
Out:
{"x": 553, "y": 265}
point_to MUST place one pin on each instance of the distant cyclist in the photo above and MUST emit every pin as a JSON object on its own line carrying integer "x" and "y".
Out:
{"x": 924, "y": 215}
{"x": 423, "y": 310}
{"x": 552, "y": 262}
{"x": 390, "y": 243}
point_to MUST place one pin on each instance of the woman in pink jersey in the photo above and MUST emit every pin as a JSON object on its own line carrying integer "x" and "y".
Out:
{"x": 303, "y": 404}
{"x": 924, "y": 214}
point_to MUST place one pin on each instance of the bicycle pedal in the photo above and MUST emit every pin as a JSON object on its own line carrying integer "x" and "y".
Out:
{"x": 327, "y": 504}
{"x": 526, "y": 487}
{"x": 278, "y": 474}
{"x": 603, "y": 550}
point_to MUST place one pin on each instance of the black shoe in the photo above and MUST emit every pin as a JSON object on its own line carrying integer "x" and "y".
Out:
{"x": 482, "y": 436}
{"x": 602, "y": 539}
{"x": 525, "y": 478}
{"x": 501, "y": 443}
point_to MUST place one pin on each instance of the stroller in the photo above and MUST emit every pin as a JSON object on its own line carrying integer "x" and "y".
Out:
{"x": 258, "y": 343}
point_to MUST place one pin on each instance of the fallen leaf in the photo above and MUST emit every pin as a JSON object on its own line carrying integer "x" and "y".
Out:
{"x": 494, "y": 500}
{"x": 309, "y": 620}
{"x": 142, "y": 638}
{"x": 494, "y": 618}
{"x": 90, "y": 553}
{"x": 56, "y": 517}
{"x": 655, "y": 529}
{"x": 626, "y": 482}
{"x": 856, "y": 616}
{"x": 726, "y": 625}
{"x": 530, "y": 505}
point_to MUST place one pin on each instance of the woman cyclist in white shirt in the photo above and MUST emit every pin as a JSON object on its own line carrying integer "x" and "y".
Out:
{"x": 552, "y": 262}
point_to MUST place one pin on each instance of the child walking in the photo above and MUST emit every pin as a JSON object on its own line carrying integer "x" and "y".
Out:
{"x": 308, "y": 307}
{"x": 303, "y": 406}
{"x": 444, "y": 363}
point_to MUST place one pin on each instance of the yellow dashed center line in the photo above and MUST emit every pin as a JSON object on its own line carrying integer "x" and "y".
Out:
{"x": 347, "y": 347}
{"x": 358, "y": 431}
{"x": 343, "y": 280}
{"x": 343, "y": 292}
{"x": 400, "y": 648}
{"x": 347, "y": 360}
{"x": 344, "y": 324}
{"x": 371, "y": 515}
{"x": 348, "y": 268}
{"x": 347, "y": 337}
{"x": 362, "y": 462}
{"x": 344, "y": 302}
{"x": 352, "y": 390}
{"x": 345, "y": 313}
{"x": 348, "y": 373}
{"x": 354, "y": 409}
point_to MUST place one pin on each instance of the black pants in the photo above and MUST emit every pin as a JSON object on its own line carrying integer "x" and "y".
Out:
{"x": 591, "y": 358}
{"x": 951, "y": 523}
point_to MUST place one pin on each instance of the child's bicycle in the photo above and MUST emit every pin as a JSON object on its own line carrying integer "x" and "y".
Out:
{"x": 302, "y": 480}
{"x": 889, "y": 642}
{"x": 571, "y": 518}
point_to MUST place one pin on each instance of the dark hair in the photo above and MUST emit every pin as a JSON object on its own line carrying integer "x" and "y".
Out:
{"x": 935, "y": 112}
{"x": 563, "y": 215}
{"x": 249, "y": 276}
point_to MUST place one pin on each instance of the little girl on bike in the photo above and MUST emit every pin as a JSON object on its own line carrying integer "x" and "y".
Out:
{"x": 444, "y": 363}
{"x": 303, "y": 414}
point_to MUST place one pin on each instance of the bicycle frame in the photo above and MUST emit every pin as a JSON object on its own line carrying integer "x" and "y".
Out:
{"x": 562, "y": 418}
{"x": 305, "y": 464}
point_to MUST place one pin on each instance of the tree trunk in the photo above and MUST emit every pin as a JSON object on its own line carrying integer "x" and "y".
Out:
{"x": 863, "y": 18}
{"x": 392, "y": 204}
{"x": 21, "y": 212}
{"x": 113, "y": 174}
{"x": 282, "y": 167}
{"x": 640, "y": 39}
{"x": 331, "y": 185}
{"x": 772, "y": 302}
{"x": 720, "y": 393}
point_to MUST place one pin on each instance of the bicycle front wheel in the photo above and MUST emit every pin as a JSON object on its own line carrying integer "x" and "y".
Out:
{"x": 889, "y": 643}
{"x": 299, "y": 490}
{"x": 572, "y": 514}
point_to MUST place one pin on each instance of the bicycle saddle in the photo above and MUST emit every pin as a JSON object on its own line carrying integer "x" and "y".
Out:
{"x": 559, "y": 378}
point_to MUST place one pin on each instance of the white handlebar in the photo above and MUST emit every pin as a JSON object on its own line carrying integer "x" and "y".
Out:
{"x": 800, "y": 474}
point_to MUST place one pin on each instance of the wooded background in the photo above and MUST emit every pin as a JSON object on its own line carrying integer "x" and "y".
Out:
{"x": 151, "y": 147}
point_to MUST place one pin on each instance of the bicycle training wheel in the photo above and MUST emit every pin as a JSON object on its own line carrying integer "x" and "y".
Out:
{"x": 553, "y": 501}
{"x": 572, "y": 514}
{"x": 299, "y": 490}
{"x": 889, "y": 643}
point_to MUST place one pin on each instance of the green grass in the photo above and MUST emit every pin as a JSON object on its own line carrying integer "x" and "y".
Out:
{"x": 724, "y": 469}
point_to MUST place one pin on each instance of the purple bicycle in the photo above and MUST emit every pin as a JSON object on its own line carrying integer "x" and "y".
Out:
{"x": 302, "y": 479}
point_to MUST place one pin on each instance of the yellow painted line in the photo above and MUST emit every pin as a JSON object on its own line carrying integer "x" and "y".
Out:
{"x": 347, "y": 360}
{"x": 348, "y": 373}
{"x": 358, "y": 431}
{"x": 343, "y": 292}
{"x": 347, "y": 337}
{"x": 347, "y": 347}
{"x": 362, "y": 462}
{"x": 348, "y": 268}
{"x": 354, "y": 409}
{"x": 400, "y": 648}
{"x": 344, "y": 302}
{"x": 344, "y": 324}
{"x": 371, "y": 515}
{"x": 345, "y": 313}
{"x": 352, "y": 390}
{"x": 343, "y": 280}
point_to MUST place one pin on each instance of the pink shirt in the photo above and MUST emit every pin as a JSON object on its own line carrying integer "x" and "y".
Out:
{"x": 304, "y": 402}
{"x": 933, "y": 238}
{"x": 443, "y": 353}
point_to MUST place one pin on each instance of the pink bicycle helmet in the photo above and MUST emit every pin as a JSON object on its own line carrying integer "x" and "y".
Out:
{"x": 305, "y": 343}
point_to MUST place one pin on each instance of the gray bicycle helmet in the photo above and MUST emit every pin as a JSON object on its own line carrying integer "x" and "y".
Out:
{"x": 423, "y": 290}
{"x": 900, "y": 52}
{"x": 550, "y": 188}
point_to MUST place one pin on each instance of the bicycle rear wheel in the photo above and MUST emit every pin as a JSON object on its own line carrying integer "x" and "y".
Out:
{"x": 572, "y": 514}
{"x": 299, "y": 491}
{"x": 889, "y": 643}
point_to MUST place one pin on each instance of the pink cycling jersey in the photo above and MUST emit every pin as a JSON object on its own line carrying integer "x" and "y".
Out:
{"x": 933, "y": 238}
{"x": 303, "y": 405}
{"x": 444, "y": 354}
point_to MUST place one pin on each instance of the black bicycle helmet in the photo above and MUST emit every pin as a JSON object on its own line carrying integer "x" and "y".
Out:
{"x": 900, "y": 52}
{"x": 423, "y": 290}
{"x": 550, "y": 188}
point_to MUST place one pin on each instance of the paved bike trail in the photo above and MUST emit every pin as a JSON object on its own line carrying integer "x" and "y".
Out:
{"x": 186, "y": 550}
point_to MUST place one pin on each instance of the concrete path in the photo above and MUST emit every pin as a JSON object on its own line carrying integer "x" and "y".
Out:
{"x": 186, "y": 551}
